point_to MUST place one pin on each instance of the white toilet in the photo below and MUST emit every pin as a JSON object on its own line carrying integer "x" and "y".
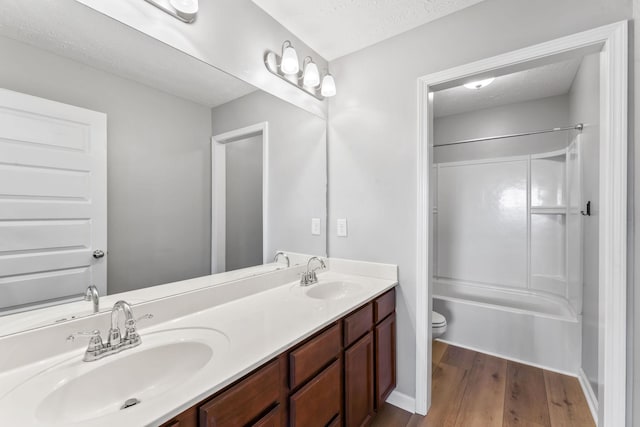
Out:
{"x": 438, "y": 325}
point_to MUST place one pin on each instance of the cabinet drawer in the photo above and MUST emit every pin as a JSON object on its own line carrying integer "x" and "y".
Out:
{"x": 244, "y": 402}
{"x": 317, "y": 403}
{"x": 357, "y": 324}
{"x": 384, "y": 305}
{"x": 311, "y": 357}
{"x": 272, "y": 419}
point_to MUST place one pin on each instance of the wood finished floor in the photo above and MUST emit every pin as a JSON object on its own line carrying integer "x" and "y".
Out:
{"x": 472, "y": 389}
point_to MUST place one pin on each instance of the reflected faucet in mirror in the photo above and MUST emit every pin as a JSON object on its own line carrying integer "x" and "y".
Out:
{"x": 93, "y": 295}
{"x": 285, "y": 256}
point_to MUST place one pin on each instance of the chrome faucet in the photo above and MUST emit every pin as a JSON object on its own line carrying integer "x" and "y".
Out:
{"x": 114, "y": 333}
{"x": 97, "y": 349}
{"x": 92, "y": 295}
{"x": 310, "y": 277}
{"x": 286, "y": 257}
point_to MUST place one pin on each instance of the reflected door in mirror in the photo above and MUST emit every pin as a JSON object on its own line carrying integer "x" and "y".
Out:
{"x": 52, "y": 201}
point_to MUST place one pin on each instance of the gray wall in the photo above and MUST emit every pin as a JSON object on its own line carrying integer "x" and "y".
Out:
{"x": 297, "y": 168}
{"x": 373, "y": 128}
{"x": 243, "y": 203}
{"x": 585, "y": 108}
{"x": 542, "y": 113}
{"x": 157, "y": 165}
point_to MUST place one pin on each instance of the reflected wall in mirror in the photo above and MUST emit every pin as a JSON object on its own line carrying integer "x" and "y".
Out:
{"x": 79, "y": 131}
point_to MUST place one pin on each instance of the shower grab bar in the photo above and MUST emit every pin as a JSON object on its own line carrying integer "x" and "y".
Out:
{"x": 577, "y": 127}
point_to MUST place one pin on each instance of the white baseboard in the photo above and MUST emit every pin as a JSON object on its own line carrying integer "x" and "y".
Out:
{"x": 402, "y": 401}
{"x": 592, "y": 401}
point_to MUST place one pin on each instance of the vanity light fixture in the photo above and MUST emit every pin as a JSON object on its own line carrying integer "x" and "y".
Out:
{"x": 287, "y": 67}
{"x": 311, "y": 76}
{"x": 328, "y": 86}
{"x": 289, "y": 64}
{"x": 184, "y": 10}
{"x": 479, "y": 84}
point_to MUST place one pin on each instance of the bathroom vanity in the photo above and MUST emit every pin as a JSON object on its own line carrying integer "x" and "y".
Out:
{"x": 339, "y": 376}
{"x": 261, "y": 351}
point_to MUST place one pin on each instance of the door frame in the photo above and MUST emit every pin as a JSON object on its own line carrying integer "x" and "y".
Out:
{"x": 218, "y": 190}
{"x": 612, "y": 41}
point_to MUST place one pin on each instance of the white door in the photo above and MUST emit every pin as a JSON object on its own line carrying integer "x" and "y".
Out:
{"x": 53, "y": 201}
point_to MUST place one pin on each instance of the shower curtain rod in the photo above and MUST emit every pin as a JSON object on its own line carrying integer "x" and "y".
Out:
{"x": 577, "y": 127}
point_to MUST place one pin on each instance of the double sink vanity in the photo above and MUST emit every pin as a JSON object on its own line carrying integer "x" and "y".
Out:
{"x": 264, "y": 350}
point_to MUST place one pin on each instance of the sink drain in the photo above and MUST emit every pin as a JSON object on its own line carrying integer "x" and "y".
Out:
{"x": 129, "y": 403}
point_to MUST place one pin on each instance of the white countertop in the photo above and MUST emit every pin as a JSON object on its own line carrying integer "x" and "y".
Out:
{"x": 255, "y": 328}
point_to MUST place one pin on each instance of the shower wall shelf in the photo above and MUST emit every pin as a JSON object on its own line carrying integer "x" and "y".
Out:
{"x": 549, "y": 210}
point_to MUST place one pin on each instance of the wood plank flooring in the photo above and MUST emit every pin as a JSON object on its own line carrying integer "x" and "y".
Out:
{"x": 472, "y": 389}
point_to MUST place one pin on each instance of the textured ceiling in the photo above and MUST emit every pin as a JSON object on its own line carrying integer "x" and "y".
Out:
{"x": 536, "y": 83}
{"x": 70, "y": 29}
{"x": 334, "y": 28}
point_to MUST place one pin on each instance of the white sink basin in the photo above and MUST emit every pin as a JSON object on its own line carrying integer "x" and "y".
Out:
{"x": 75, "y": 392}
{"x": 332, "y": 290}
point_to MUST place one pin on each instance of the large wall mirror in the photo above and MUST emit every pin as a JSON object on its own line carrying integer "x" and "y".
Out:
{"x": 129, "y": 172}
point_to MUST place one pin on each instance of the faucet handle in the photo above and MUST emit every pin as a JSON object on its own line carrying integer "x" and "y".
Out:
{"x": 95, "y": 340}
{"x": 131, "y": 334}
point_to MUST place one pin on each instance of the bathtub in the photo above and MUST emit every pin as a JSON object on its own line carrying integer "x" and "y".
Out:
{"x": 532, "y": 328}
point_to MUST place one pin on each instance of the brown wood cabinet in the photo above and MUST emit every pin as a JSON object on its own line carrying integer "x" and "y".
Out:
{"x": 272, "y": 419}
{"x": 359, "y": 383}
{"x": 245, "y": 402}
{"x": 318, "y": 402}
{"x": 385, "y": 349}
{"x": 309, "y": 358}
{"x": 339, "y": 376}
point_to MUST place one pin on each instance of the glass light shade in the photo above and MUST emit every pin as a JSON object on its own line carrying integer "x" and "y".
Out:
{"x": 289, "y": 64}
{"x": 187, "y": 9}
{"x": 328, "y": 86}
{"x": 311, "y": 75}
{"x": 479, "y": 84}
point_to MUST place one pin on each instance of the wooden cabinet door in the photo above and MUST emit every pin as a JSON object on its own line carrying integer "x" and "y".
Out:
{"x": 319, "y": 401}
{"x": 359, "y": 383}
{"x": 385, "y": 345}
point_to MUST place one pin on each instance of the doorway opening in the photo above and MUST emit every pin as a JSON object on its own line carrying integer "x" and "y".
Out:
{"x": 548, "y": 233}
{"x": 239, "y": 160}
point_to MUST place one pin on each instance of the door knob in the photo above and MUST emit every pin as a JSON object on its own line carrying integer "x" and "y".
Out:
{"x": 98, "y": 254}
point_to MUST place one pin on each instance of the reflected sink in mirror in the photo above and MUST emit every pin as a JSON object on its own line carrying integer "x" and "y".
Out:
{"x": 75, "y": 391}
{"x": 332, "y": 290}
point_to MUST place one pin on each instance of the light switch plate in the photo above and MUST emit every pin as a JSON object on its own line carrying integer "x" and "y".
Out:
{"x": 342, "y": 227}
{"x": 315, "y": 226}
